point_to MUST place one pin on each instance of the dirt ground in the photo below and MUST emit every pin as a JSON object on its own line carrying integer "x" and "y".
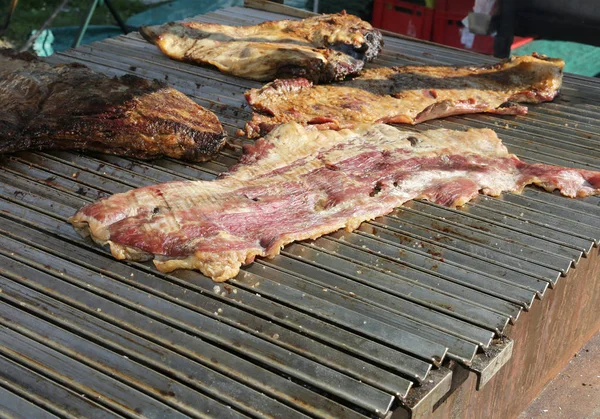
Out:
{"x": 575, "y": 392}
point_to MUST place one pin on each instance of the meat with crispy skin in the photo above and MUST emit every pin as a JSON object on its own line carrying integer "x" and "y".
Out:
{"x": 407, "y": 95}
{"x": 71, "y": 107}
{"x": 321, "y": 48}
{"x": 299, "y": 183}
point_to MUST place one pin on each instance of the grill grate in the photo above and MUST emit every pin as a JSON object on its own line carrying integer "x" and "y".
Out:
{"x": 342, "y": 326}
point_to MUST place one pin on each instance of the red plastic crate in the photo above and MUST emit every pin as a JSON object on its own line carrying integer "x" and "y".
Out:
{"x": 447, "y": 31}
{"x": 454, "y": 6}
{"x": 403, "y": 17}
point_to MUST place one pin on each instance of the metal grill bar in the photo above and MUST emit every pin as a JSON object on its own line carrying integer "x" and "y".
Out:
{"x": 79, "y": 377}
{"x": 499, "y": 229}
{"x": 291, "y": 295}
{"x": 16, "y": 407}
{"x": 24, "y": 391}
{"x": 348, "y": 293}
{"x": 530, "y": 226}
{"x": 447, "y": 248}
{"x": 386, "y": 275}
{"x": 520, "y": 254}
{"x": 415, "y": 338}
{"x": 191, "y": 347}
{"x": 122, "y": 368}
{"x": 340, "y": 360}
{"x": 412, "y": 257}
{"x": 354, "y": 272}
{"x": 205, "y": 327}
{"x": 389, "y": 359}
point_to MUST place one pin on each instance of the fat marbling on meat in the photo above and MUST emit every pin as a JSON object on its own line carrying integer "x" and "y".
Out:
{"x": 300, "y": 183}
{"x": 408, "y": 95}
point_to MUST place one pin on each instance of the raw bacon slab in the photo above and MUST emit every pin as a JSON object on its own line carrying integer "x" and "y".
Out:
{"x": 300, "y": 183}
{"x": 407, "y": 95}
{"x": 71, "y": 107}
{"x": 321, "y": 48}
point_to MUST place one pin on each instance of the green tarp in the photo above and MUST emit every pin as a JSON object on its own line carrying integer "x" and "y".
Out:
{"x": 60, "y": 39}
{"x": 579, "y": 58}
{"x": 178, "y": 10}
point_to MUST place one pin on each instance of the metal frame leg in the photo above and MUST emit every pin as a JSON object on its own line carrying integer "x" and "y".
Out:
{"x": 85, "y": 23}
{"x": 11, "y": 9}
{"x": 115, "y": 14}
{"x": 86, "y": 19}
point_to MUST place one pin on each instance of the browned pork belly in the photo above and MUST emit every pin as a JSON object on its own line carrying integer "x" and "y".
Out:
{"x": 321, "y": 48}
{"x": 407, "y": 95}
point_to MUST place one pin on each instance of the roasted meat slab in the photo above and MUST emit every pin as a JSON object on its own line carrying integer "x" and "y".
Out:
{"x": 71, "y": 107}
{"x": 299, "y": 183}
{"x": 321, "y": 48}
{"x": 408, "y": 95}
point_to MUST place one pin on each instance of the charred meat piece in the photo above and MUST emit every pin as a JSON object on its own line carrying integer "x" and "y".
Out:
{"x": 321, "y": 48}
{"x": 408, "y": 95}
{"x": 71, "y": 107}
{"x": 299, "y": 183}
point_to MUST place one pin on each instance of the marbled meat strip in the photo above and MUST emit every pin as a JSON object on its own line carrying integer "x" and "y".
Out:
{"x": 300, "y": 183}
{"x": 71, "y": 107}
{"x": 407, "y": 95}
{"x": 320, "y": 48}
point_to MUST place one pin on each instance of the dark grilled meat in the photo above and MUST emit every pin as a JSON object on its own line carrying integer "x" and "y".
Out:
{"x": 71, "y": 107}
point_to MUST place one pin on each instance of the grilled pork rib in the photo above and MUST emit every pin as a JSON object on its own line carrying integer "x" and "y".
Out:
{"x": 321, "y": 48}
{"x": 71, "y": 107}
{"x": 410, "y": 94}
{"x": 299, "y": 183}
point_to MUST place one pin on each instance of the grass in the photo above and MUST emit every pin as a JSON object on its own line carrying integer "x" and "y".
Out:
{"x": 31, "y": 14}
